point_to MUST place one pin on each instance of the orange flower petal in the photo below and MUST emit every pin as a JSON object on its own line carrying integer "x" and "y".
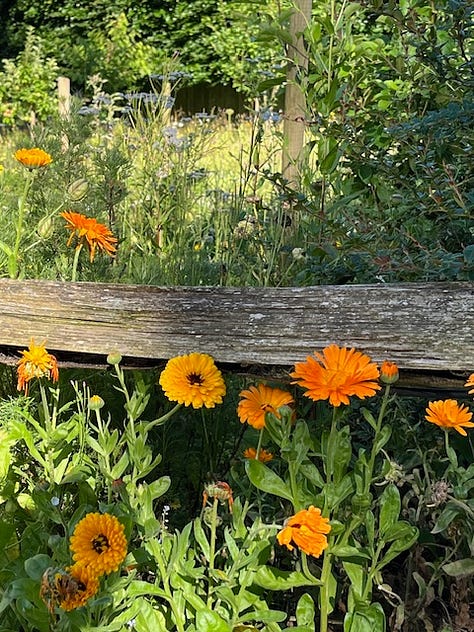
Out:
{"x": 258, "y": 400}
{"x": 337, "y": 374}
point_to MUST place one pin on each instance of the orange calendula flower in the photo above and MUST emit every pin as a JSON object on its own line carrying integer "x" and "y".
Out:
{"x": 448, "y": 413}
{"x": 99, "y": 542}
{"x": 33, "y": 158}
{"x": 68, "y": 589}
{"x": 91, "y": 232}
{"x": 193, "y": 380}
{"x": 258, "y": 400}
{"x": 307, "y": 530}
{"x": 470, "y": 382}
{"x": 337, "y": 374}
{"x": 388, "y": 372}
{"x": 263, "y": 455}
{"x": 35, "y": 362}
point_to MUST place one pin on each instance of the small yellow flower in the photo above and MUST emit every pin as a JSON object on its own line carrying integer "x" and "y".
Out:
{"x": 33, "y": 158}
{"x": 449, "y": 414}
{"x": 99, "y": 542}
{"x": 36, "y": 362}
{"x": 307, "y": 529}
{"x": 193, "y": 380}
{"x": 258, "y": 400}
{"x": 263, "y": 455}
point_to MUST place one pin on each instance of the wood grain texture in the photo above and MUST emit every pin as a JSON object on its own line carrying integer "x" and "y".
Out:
{"x": 425, "y": 326}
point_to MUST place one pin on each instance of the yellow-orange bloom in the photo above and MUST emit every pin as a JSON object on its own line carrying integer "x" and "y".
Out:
{"x": 193, "y": 380}
{"x": 389, "y": 372}
{"x": 33, "y": 158}
{"x": 91, "y": 232}
{"x": 35, "y": 362}
{"x": 99, "y": 542}
{"x": 69, "y": 588}
{"x": 470, "y": 382}
{"x": 76, "y": 588}
{"x": 258, "y": 400}
{"x": 448, "y": 413}
{"x": 263, "y": 455}
{"x": 307, "y": 530}
{"x": 336, "y": 374}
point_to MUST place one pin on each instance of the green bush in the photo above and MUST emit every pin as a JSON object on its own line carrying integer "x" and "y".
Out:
{"x": 27, "y": 84}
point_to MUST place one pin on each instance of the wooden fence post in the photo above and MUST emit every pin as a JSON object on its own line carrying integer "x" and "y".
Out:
{"x": 64, "y": 99}
{"x": 64, "y": 96}
{"x": 295, "y": 100}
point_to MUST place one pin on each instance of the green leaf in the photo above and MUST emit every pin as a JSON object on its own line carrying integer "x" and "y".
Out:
{"x": 365, "y": 619}
{"x": 402, "y": 544}
{"x": 460, "y": 568}
{"x": 312, "y": 474}
{"x": 305, "y": 611}
{"x": 449, "y": 513}
{"x": 369, "y": 417}
{"x": 357, "y": 574}
{"x": 265, "y": 479}
{"x": 389, "y": 508}
{"x": 209, "y": 621}
{"x": 348, "y": 552}
{"x": 35, "y": 566}
{"x": 149, "y": 619}
{"x": 383, "y": 438}
{"x": 159, "y": 487}
{"x": 275, "y": 579}
{"x": 266, "y": 616}
{"x": 120, "y": 467}
{"x": 201, "y": 538}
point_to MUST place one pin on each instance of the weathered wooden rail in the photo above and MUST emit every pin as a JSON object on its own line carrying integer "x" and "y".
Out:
{"x": 426, "y": 328}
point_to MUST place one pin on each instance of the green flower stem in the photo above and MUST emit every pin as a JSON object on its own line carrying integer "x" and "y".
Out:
{"x": 304, "y": 564}
{"x": 371, "y": 573}
{"x": 45, "y": 406}
{"x": 324, "y": 591}
{"x": 75, "y": 262}
{"x": 105, "y": 456}
{"x": 294, "y": 485}
{"x": 212, "y": 548}
{"x": 331, "y": 449}
{"x": 374, "y": 451}
{"x": 259, "y": 444}
{"x": 209, "y": 447}
{"x": 13, "y": 263}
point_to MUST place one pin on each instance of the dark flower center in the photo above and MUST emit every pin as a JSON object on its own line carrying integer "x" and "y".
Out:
{"x": 100, "y": 543}
{"x": 195, "y": 378}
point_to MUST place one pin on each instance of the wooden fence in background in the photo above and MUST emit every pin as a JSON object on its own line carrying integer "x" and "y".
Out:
{"x": 426, "y": 328}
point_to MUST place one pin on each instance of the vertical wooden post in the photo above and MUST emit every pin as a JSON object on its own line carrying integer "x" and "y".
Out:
{"x": 295, "y": 100}
{"x": 64, "y": 100}
{"x": 64, "y": 96}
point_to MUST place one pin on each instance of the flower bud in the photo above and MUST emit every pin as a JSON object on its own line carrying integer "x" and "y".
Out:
{"x": 45, "y": 227}
{"x": 114, "y": 357}
{"x": 388, "y": 372}
{"x": 77, "y": 190}
{"x": 96, "y": 402}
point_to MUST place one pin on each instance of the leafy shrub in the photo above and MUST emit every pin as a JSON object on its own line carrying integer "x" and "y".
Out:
{"x": 27, "y": 84}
